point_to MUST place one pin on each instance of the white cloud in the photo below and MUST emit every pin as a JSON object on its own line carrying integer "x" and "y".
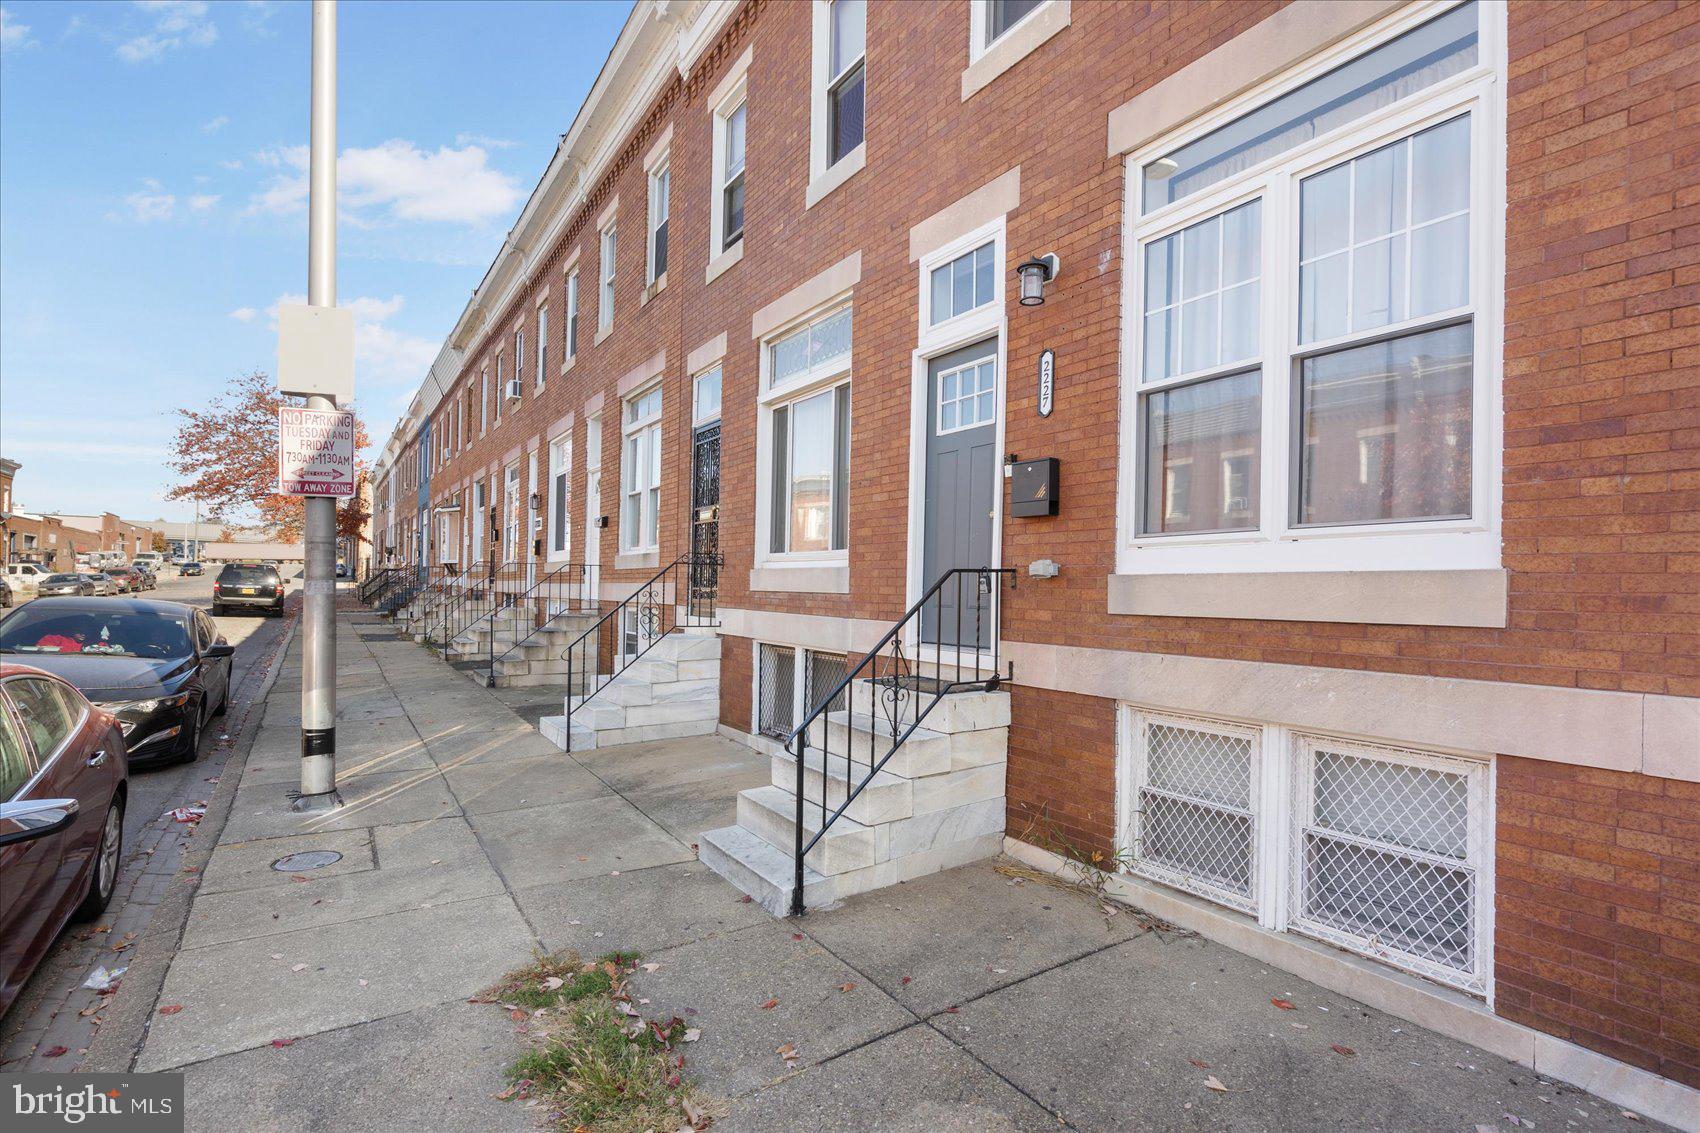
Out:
{"x": 232, "y": 163}
{"x": 484, "y": 140}
{"x": 396, "y": 179}
{"x": 151, "y": 203}
{"x": 13, "y": 35}
{"x": 244, "y": 314}
{"x": 382, "y": 354}
{"x": 176, "y": 23}
{"x": 201, "y": 202}
{"x": 214, "y": 125}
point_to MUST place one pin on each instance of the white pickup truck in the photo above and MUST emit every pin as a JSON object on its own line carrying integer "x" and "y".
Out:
{"x": 25, "y": 577}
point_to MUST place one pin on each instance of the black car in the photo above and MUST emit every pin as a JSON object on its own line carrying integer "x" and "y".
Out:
{"x": 160, "y": 667}
{"x": 185, "y": 569}
{"x": 76, "y": 585}
{"x": 254, "y": 585}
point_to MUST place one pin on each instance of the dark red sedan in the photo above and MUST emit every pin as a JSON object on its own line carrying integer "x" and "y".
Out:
{"x": 64, "y": 776}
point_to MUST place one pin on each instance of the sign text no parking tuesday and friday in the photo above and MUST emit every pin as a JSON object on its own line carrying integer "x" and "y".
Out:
{"x": 315, "y": 451}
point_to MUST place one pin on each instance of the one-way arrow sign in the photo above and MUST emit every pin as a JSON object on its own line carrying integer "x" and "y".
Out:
{"x": 315, "y": 452}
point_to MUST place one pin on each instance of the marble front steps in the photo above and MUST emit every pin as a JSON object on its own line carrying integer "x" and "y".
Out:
{"x": 937, "y": 803}
{"x": 672, "y": 691}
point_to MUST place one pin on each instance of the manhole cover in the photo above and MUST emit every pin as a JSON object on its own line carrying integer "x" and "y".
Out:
{"x": 310, "y": 859}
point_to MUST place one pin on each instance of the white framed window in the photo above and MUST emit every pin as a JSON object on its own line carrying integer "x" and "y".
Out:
{"x": 605, "y": 299}
{"x": 991, "y": 20}
{"x": 840, "y": 82}
{"x": 542, "y": 343}
{"x": 967, "y": 396}
{"x": 966, "y": 283}
{"x": 484, "y": 401}
{"x": 1311, "y": 319}
{"x": 513, "y": 525}
{"x": 480, "y": 511}
{"x": 519, "y": 361}
{"x": 1378, "y": 849}
{"x": 501, "y": 394}
{"x": 560, "y": 513}
{"x": 571, "y": 345}
{"x": 803, "y": 448}
{"x": 726, "y": 222}
{"x": 705, "y": 396}
{"x": 640, "y": 471}
{"x": 660, "y": 181}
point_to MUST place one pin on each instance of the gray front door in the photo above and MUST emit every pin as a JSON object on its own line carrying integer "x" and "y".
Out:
{"x": 962, "y": 477}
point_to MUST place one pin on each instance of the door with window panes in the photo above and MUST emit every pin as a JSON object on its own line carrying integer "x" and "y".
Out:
{"x": 962, "y": 482}
{"x": 705, "y": 494}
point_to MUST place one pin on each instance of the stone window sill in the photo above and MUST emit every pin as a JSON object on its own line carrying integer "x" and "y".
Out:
{"x": 825, "y": 578}
{"x": 721, "y": 263}
{"x": 1389, "y": 597}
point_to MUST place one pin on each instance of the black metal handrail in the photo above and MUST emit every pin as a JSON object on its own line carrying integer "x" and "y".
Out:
{"x": 559, "y": 591}
{"x": 403, "y": 587}
{"x": 956, "y": 665}
{"x": 375, "y": 582}
{"x": 681, "y": 595}
{"x": 465, "y": 595}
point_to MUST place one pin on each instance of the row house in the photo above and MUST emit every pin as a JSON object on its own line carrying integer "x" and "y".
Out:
{"x": 1312, "y": 391}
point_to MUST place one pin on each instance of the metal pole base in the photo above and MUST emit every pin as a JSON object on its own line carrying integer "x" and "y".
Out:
{"x": 314, "y": 804}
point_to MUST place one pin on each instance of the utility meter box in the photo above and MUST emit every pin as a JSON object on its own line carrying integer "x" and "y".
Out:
{"x": 1033, "y": 488}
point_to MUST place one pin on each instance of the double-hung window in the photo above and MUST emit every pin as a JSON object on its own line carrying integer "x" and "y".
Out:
{"x": 728, "y": 219}
{"x": 519, "y": 361}
{"x": 542, "y": 343}
{"x": 640, "y": 472}
{"x": 560, "y": 516}
{"x": 605, "y": 301}
{"x": 571, "y": 345}
{"x": 660, "y": 179}
{"x": 804, "y": 455}
{"x": 1311, "y": 314}
{"x": 483, "y": 401}
{"x": 500, "y": 392}
{"x": 841, "y": 71}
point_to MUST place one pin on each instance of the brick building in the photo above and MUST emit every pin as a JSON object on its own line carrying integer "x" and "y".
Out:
{"x": 1372, "y": 643}
{"x": 107, "y": 532}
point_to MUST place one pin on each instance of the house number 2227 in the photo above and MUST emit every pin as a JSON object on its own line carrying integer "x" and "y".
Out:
{"x": 1047, "y": 382}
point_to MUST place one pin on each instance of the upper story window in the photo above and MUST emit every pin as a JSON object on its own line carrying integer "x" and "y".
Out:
{"x": 483, "y": 400}
{"x": 705, "y": 401}
{"x": 640, "y": 471}
{"x": 605, "y": 303}
{"x": 571, "y": 344}
{"x": 803, "y": 456}
{"x": 728, "y": 220}
{"x": 1312, "y": 319}
{"x": 965, "y": 283}
{"x": 500, "y": 394}
{"x": 660, "y": 180}
{"x": 845, "y": 76}
{"x": 542, "y": 343}
{"x": 1002, "y": 15}
{"x": 518, "y": 385}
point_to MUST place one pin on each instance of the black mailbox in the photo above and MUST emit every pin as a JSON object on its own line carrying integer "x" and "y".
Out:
{"x": 1033, "y": 487}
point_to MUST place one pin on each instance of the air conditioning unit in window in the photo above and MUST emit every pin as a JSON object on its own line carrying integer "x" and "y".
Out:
{"x": 513, "y": 389}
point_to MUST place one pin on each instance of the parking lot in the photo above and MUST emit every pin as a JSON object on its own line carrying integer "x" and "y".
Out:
{"x": 47, "y": 1015}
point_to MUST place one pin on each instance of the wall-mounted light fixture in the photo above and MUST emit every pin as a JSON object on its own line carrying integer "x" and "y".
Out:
{"x": 1035, "y": 273}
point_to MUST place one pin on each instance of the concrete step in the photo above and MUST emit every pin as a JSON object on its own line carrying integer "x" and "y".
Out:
{"x": 554, "y": 729}
{"x": 956, "y": 712}
{"x": 886, "y": 798}
{"x": 770, "y": 813}
{"x": 634, "y": 692}
{"x": 757, "y": 868}
{"x": 924, "y": 752}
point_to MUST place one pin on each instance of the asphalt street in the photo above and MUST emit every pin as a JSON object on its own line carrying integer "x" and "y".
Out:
{"x": 47, "y": 1014}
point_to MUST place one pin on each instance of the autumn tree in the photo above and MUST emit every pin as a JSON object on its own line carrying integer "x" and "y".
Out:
{"x": 225, "y": 456}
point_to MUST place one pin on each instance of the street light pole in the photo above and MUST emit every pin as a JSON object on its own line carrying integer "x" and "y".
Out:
{"x": 318, "y": 612}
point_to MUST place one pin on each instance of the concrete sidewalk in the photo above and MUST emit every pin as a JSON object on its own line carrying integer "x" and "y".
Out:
{"x": 335, "y": 998}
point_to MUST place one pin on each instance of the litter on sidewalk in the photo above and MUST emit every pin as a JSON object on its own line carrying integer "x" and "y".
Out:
{"x": 102, "y": 980}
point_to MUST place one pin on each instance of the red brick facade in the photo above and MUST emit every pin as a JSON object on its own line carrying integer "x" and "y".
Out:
{"x": 1598, "y": 930}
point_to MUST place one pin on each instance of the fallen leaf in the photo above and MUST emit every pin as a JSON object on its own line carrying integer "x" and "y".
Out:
{"x": 553, "y": 983}
{"x": 171, "y": 1009}
{"x": 1283, "y": 1004}
{"x": 299, "y": 968}
{"x": 55, "y": 1051}
{"x": 1214, "y": 1083}
{"x": 1200, "y": 1065}
{"x": 905, "y": 981}
{"x": 87, "y": 1011}
{"x": 1629, "y": 1115}
{"x": 847, "y": 987}
{"x": 362, "y": 983}
{"x": 746, "y": 898}
{"x": 796, "y": 936}
{"x": 786, "y": 1051}
{"x": 1345, "y": 1051}
{"x": 277, "y": 955}
{"x": 651, "y": 966}
{"x": 517, "y": 1015}
{"x": 281, "y": 1043}
{"x": 770, "y": 1005}
{"x": 952, "y": 1010}
{"x": 692, "y": 1034}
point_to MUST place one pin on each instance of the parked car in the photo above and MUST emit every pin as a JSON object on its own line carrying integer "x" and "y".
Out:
{"x": 6, "y": 598}
{"x": 189, "y": 569}
{"x": 253, "y": 585}
{"x": 128, "y": 579}
{"x": 342, "y": 570}
{"x": 64, "y": 778}
{"x": 145, "y": 576}
{"x": 77, "y": 585}
{"x": 160, "y": 667}
{"x": 25, "y": 577}
{"x": 102, "y": 582}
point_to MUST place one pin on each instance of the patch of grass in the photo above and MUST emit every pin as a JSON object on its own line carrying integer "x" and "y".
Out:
{"x": 598, "y": 1066}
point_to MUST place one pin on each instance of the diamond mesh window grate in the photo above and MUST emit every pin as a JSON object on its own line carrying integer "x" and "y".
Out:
{"x": 1386, "y": 858}
{"x": 1195, "y": 825}
{"x": 776, "y": 678}
{"x": 824, "y": 671}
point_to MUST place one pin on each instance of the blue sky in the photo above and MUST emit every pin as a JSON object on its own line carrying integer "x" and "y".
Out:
{"x": 152, "y": 205}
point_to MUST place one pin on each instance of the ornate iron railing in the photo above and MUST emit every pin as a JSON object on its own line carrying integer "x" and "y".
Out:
{"x": 947, "y": 642}
{"x": 467, "y": 596}
{"x": 681, "y": 595}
